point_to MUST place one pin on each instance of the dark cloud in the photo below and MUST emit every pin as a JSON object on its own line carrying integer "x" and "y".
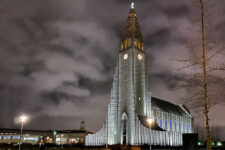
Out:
{"x": 57, "y": 58}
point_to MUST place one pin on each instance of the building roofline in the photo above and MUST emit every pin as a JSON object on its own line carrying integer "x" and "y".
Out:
{"x": 44, "y": 131}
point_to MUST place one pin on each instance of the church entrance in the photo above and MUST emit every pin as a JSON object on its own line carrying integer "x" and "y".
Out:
{"x": 124, "y": 129}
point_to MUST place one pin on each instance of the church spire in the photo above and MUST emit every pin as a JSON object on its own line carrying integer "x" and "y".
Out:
{"x": 132, "y": 33}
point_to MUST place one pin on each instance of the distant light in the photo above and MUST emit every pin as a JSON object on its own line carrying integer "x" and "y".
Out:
{"x": 132, "y": 5}
{"x": 199, "y": 143}
{"x": 219, "y": 143}
{"x": 55, "y": 132}
{"x": 31, "y": 138}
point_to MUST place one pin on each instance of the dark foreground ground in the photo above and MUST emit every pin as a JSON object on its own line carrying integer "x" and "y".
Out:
{"x": 81, "y": 147}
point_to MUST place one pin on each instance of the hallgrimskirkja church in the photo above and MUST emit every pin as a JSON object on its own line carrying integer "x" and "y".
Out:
{"x": 134, "y": 117}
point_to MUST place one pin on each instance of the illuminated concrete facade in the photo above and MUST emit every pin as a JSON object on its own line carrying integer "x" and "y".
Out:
{"x": 131, "y": 103}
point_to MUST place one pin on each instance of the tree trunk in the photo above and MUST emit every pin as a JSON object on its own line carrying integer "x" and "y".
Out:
{"x": 204, "y": 85}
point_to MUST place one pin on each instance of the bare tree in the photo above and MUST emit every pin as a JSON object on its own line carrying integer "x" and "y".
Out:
{"x": 204, "y": 74}
{"x": 205, "y": 67}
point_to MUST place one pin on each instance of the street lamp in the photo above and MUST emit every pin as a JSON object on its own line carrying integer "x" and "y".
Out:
{"x": 150, "y": 121}
{"x": 22, "y": 120}
{"x": 107, "y": 126}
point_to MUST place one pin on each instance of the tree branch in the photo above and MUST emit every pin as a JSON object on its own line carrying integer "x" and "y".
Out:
{"x": 217, "y": 52}
{"x": 217, "y": 68}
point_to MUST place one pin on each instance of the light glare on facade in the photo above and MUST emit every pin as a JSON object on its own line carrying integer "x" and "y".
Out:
{"x": 150, "y": 121}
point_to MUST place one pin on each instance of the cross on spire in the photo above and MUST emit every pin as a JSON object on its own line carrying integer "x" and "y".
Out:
{"x": 132, "y": 5}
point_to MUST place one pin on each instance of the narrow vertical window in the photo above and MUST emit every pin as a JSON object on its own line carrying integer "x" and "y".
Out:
{"x": 166, "y": 124}
{"x": 121, "y": 46}
{"x": 184, "y": 127}
{"x": 179, "y": 127}
{"x": 160, "y": 123}
{"x": 175, "y": 126}
{"x": 129, "y": 43}
{"x": 187, "y": 128}
{"x": 135, "y": 43}
{"x": 126, "y": 44}
{"x": 142, "y": 48}
{"x": 139, "y": 45}
{"x": 170, "y": 125}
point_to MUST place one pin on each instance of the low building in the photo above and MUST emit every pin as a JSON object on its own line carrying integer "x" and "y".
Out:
{"x": 14, "y": 136}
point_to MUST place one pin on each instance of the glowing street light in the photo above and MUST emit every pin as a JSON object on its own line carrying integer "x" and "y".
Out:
{"x": 219, "y": 143}
{"x": 199, "y": 143}
{"x": 150, "y": 122}
{"x": 22, "y": 120}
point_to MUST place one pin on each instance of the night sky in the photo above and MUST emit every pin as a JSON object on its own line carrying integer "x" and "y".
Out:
{"x": 58, "y": 57}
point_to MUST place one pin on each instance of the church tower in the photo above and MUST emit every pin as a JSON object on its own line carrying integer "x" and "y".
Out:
{"x": 131, "y": 105}
{"x": 130, "y": 97}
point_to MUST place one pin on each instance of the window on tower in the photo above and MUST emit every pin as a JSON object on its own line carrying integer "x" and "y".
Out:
{"x": 142, "y": 48}
{"x": 135, "y": 43}
{"x": 129, "y": 43}
{"x": 139, "y": 45}
{"x": 121, "y": 46}
{"x": 126, "y": 44}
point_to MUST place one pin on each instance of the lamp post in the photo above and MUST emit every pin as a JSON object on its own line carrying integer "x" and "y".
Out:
{"x": 150, "y": 121}
{"x": 22, "y": 119}
{"x": 107, "y": 126}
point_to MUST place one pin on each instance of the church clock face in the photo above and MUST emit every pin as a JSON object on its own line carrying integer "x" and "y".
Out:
{"x": 125, "y": 56}
{"x": 139, "y": 56}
